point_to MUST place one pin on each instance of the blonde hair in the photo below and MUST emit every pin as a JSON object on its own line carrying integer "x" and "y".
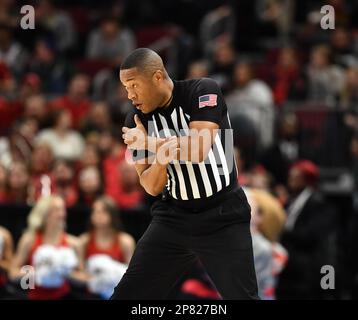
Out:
{"x": 37, "y": 216}
{"x": 273, "y": 214}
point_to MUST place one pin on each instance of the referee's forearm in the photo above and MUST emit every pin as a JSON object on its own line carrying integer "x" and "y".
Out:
{"x": 191, "y": 148}
{"x": 154, "y": 179}
{"x": 154, "y": 143}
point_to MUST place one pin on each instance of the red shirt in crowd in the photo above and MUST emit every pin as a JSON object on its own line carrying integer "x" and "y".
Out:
{"x": 40, "y": 293}
{"x": 78, "y": 109}
{"x": 69, "y": 193}
{"x": 113, "y": 186}
{"x": 10, "y": 111}
{"x": 114, "y": 251}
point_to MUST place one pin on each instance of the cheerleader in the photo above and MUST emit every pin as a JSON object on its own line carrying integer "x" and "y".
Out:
{"x": 107, "y": 249}
{"x": 53, "y": 254}
{"x": 6, "y": 253}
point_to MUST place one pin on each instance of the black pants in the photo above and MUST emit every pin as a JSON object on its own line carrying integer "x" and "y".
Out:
{"x": 220, "y": 237}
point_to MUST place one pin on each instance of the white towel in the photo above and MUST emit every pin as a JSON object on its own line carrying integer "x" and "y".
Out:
{"x": 52, "y": 265}
{"x": 106, "y": 273}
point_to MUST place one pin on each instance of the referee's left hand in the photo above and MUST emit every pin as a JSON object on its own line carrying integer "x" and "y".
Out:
{"x": 135, "y": 138}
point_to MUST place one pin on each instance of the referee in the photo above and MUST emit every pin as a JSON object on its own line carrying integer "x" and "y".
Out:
{"x": 181, "y": 141}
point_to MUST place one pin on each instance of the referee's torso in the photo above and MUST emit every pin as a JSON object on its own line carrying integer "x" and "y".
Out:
{"x": 193, "y": 185}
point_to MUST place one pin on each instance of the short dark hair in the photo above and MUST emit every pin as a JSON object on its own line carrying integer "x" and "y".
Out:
{"x": 144, "y": 59}
{"x": 136, "y": 58}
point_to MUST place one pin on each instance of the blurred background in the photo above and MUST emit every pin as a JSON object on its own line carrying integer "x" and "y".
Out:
{"x": 291, "y": 90}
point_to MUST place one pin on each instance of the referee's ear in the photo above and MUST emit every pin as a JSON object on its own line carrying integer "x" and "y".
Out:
{"x": 159, "y": 76}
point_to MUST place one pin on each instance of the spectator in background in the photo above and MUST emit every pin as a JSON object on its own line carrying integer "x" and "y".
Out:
{"x": 106, "y": 246}
{"x": 65, "y": 143}
{"x": 18, "y": 190}
{"x": 63, "y": 182}
{"x": 6, "y": 253}
{"x": 222, "y": 65}
{"x": 18, "y": 145}
{"x": 286, "y": 78}
{"x": 98, "y": 119}
{"x": 47, "y": 247}
{"x": 106, "y": 234}
{"x": 36, "y": 107}
{"x": 11, "y": 52}
{"x": 275, "y": 19}
{"x": 90, "y": 185}
{"x": 119, "y": 105}
{"x": 9, "y": 149}
{"x": 28, "y": 128}
{"x": 198, "y": 69}
{"x": 112, "y": 150}
{"x": 272, "y": 214}
{"x": 342, "y": 45}
{"x": 263, "y": 256}
{"x": 308, "y": 236}
{"x": 111, "y": 145}
{"x": 285, "y": 150}
{"x": 260, "y": 178}
{"x": 122, "y": 183}
{"x": 40, "y": 171}
{"x": 7, "y": 86}
{"x": 52, "y": 69}
{"x": 30, "y": 86}
{"x": 267, "y": 221}
{"x": 7, "y": 14}
{"x": 215, "y": 25}
{"x": 348, "y": 99}
{"x": 14, "y": 107}
{"x": 252, "y": 98}
{"x": 90, "y": 157}
{"x": 41, "y": 159}
{"x": 242, "y": 169}
{"x": 325, "y": 80}
{"x": 58, "y": 23}
{"x": 3, "y": 183}
{"x": 9, "y": 109}
{"x": 76, "y": 101}
{"x": 110, "y": 42}
{"x": 343, "y": 11}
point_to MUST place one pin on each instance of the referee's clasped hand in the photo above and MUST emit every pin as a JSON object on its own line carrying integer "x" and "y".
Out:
{"x": 135, "y": 138}
{"x": 168, "y": 151}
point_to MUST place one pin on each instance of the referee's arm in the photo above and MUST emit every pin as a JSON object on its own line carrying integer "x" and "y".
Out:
{"x": 194, "y": 147}
{"x": 153, "y": 173}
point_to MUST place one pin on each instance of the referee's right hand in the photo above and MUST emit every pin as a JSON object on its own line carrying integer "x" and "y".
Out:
{"x": 168, "y": 151}
{"x": 135, "y": 138}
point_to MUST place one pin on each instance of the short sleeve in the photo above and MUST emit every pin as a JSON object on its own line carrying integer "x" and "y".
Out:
{"x": 129, "y": 122}
{"x": 207, "y": 102}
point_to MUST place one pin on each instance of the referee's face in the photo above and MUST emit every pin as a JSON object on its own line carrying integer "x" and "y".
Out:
{"x": 143, "y": 89}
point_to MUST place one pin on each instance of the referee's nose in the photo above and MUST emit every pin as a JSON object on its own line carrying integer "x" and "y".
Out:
{"x": 131, "y": 95}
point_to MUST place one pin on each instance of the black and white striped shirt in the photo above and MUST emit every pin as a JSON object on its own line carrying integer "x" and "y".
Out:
{"x": 187, "y": 181}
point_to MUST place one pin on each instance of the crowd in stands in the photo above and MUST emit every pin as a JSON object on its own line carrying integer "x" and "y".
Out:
{"x": 291, "y": 91}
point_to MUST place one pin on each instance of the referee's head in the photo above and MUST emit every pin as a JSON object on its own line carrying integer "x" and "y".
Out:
{"x": 143, "y": 75}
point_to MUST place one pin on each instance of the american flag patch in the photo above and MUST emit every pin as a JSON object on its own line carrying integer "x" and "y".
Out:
{"x": 208, "y": 100}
